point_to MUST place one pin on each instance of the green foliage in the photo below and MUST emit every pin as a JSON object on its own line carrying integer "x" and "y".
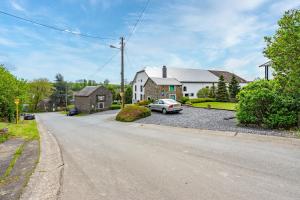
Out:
{"x": 234, "y": 88}
{"x": 283, "y": 49}
{"x": 10, "y": 88}
{"x": 183, "y": 100}
{"x": 222, "y": 94}
{"x": 200, "y": 100}
{"x": 133, "y": 112}
{"x": 262, "y": 103}
{"x": 212, "y": 91}
{"x": 203, "y": 92}
{"x": 115, "y": 106}
{"x": 38, "y": 90}
{"x": 143, "y": 103}
{"x": 58, "y": 96}
{"x": 128, "y": 95}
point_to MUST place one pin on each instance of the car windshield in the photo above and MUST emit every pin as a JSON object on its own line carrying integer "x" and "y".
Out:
{"x": 170, "y": 101}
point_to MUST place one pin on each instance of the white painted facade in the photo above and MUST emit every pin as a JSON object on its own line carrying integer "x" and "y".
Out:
{"x": 138, "y": 86}
{"x": 190, "y": 89}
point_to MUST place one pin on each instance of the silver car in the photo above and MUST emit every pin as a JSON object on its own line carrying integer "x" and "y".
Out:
{"x": 166, "y": 105}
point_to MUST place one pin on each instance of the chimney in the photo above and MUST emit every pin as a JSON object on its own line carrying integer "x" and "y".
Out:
{"x": 164, "y": 71}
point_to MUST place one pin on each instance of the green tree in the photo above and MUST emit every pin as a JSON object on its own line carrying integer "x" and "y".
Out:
{"x": 283, "y": 49}
{"x": 234, "y": 88}
{"x": 128, "y": 95}
{"x": 222, "y": 94}
{"x": 212, "y": 91}
{"x": 39, "y": 89}
{"x": 10, "y": 88}
{"x": 203, "y": 92}
{"x": 58, "y": 96}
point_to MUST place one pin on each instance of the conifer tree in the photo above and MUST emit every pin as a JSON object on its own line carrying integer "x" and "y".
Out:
{"x": 234, "y": 88}
{"x": 222, "y": 94}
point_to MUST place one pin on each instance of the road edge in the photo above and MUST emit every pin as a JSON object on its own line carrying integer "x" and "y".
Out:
{"x": 46, "y": 181}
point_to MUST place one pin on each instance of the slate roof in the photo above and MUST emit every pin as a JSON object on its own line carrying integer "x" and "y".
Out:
{"x": 183, "y": 74}
{"x": 165, "y": 81}
{"x": 87, "y": 91}
{"x": 227, "y": 76}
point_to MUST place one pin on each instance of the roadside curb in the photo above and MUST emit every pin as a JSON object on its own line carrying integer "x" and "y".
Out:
{"x": 45, "y": 182}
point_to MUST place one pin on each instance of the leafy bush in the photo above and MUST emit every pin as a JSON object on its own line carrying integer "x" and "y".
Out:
{"x": 200, "y": 100}
{"x": 262, "y": 103}
{"x": 133, "y": 112}
{"x": 115, "y": 106}
{"x": 183, "y": 100}
{"x": 203, "y": 92}
{"x": 143, "y": 103}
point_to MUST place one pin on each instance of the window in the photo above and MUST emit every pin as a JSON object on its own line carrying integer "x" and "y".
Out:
{"x": 141, "y": 88}
{"x": 101, "y": 98}
{"x": 171, "y": 88}
{"x": 192, "y": 94}
{"x": 135, "y": 96}
{"x": 134, "y": 87}
{"x": 184, "y": 88}
{"x": 100, "y": 105}
{"x": 141, "y": 97}
{"x": 186, "y": 94}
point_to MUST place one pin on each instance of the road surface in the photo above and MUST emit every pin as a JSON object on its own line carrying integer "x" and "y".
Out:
{"x": 109, "y": 160}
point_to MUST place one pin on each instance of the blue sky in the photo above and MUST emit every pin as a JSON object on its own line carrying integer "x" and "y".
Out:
{"x": 206, "y": 34}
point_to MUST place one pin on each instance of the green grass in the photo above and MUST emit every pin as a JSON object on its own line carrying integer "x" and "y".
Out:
{"x": 25, "y": 129}
{"x": 216, "y": 105}
{"x": 133, "y": 112}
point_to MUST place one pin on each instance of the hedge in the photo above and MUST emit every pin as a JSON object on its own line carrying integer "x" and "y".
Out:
{"x": 133, "y": 112}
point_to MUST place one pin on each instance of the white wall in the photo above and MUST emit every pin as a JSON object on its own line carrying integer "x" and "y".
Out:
{"x": 193, "y": 88}
{"x": 140, "y": 80}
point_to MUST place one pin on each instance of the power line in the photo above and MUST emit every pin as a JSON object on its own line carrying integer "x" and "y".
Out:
{"x": 139, "y": 19}
{"x": 56, "y": 28}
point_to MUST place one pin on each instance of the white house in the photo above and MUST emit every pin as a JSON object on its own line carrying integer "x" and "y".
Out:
{"x": 192, "y": 80}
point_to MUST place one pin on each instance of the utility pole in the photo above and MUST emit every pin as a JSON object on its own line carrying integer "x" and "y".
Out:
{"x": 66, "y": 96}
{"x": 122, "y": 73}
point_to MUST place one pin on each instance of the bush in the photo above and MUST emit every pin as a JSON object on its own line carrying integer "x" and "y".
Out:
{"x": 115, "y": 106}
{"x": 183, "y": 100}
{"x": 143, "y": 103}
{"x": 200, "y": 100}
{"x": 203, "y": 92}
{"x": 262, "y": 103}
{"x": 133, "y": 112}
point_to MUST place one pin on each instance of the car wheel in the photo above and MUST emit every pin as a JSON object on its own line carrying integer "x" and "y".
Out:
{"x": 164, "y": 111}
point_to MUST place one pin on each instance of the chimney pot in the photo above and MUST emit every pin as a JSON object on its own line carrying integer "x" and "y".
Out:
{"x": 164, "y": 71}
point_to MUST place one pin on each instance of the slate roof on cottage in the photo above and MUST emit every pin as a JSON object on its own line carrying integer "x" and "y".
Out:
{"x": 184, "y": 74}
{"x": 165, "y": 81}
{"x": 87, "y": 91}
{"x": 227, "y": 76}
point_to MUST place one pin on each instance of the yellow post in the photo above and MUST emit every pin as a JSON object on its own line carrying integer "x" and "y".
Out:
{"x": 17, "y": 101}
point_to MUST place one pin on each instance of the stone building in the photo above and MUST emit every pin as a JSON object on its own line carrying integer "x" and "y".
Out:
{"x": 93, "y": 99}
{"x": 162, "y": 88}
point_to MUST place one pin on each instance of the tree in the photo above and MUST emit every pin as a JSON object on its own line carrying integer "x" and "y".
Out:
{"x": 222, "y": 94}
{"x": 106, "y": 82}
{"x": 203, "y": 92}
{"x": 128, "y": 95}
{"x": 234, "y": 88}
{"x": 212, "y": 91}
{"x": 38, "y": 90}
{"x": 10, "y": 89}
{"x": 58, "y": 97}
{"x": 283, "y": 49}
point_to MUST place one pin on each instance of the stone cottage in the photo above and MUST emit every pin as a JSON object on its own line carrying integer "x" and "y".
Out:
{"x": 93, "y": 99}
{"x": 163, "y": 88}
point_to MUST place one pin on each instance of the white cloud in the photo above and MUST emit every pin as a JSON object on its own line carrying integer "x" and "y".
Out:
{"x": 16, "y": 5}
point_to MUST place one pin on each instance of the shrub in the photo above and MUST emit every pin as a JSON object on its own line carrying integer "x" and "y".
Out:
{"x": 203, "y": 92}
{"x": 115, "y": 106}
{"x": 183, "y": 100}
{"x": 133, "y": 112}
{"x": 262, "y": 103}
{"x": 200, "y": 100}
{"x": 143, "y": 103}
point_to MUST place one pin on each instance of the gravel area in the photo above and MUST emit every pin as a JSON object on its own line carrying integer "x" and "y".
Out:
{"x": 210, "y": 119}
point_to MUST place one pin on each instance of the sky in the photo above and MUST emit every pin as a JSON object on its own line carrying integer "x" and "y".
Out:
{"x": 205, "y": 34}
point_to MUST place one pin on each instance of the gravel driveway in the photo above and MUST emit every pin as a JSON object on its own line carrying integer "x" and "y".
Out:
{"x": 205, "y": 119}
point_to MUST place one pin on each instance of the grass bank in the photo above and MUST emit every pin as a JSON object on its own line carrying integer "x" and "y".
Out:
{"x": 216, "y": 105}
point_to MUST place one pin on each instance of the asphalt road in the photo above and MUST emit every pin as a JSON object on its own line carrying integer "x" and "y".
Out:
{"x": 109, "y": 160}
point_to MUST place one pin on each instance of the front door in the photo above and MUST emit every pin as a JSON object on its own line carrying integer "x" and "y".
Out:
{"x": 172, "y": 96}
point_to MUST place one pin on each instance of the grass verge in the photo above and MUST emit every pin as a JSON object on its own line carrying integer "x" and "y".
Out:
{"x": 216, "y": 105}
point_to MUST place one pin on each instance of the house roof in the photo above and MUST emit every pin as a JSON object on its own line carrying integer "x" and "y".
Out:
{"x": 87, "y": 91}
{"x": 227, "y": 76}
{"x": 183, "y": 74}
{"x": 165, "y": 81}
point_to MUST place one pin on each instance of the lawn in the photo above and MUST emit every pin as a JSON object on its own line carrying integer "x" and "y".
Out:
{"x": 25, "y": 129}
{"x": 216, "y": 105}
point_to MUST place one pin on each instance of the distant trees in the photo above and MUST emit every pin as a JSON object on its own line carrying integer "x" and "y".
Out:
{"x": 38, "y": 90}
{"x": 222, "y": 94}
{"x": 10, "y": 89}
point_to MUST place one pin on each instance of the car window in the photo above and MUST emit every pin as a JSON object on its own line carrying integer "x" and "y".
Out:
{"x": 156, "y": 102}
{"x": 170, "y": 101}
{"x": 161, "y": 102}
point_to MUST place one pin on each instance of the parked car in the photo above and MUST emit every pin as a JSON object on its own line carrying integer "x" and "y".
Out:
{"x": 166, "y": 106}
{"x": 28, "y": 116}
{"x": 73, "y": 112}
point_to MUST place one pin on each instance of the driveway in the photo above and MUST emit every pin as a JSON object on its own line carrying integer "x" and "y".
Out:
{"x": 109, "y": 160}
{"x": 201, "y": 118}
